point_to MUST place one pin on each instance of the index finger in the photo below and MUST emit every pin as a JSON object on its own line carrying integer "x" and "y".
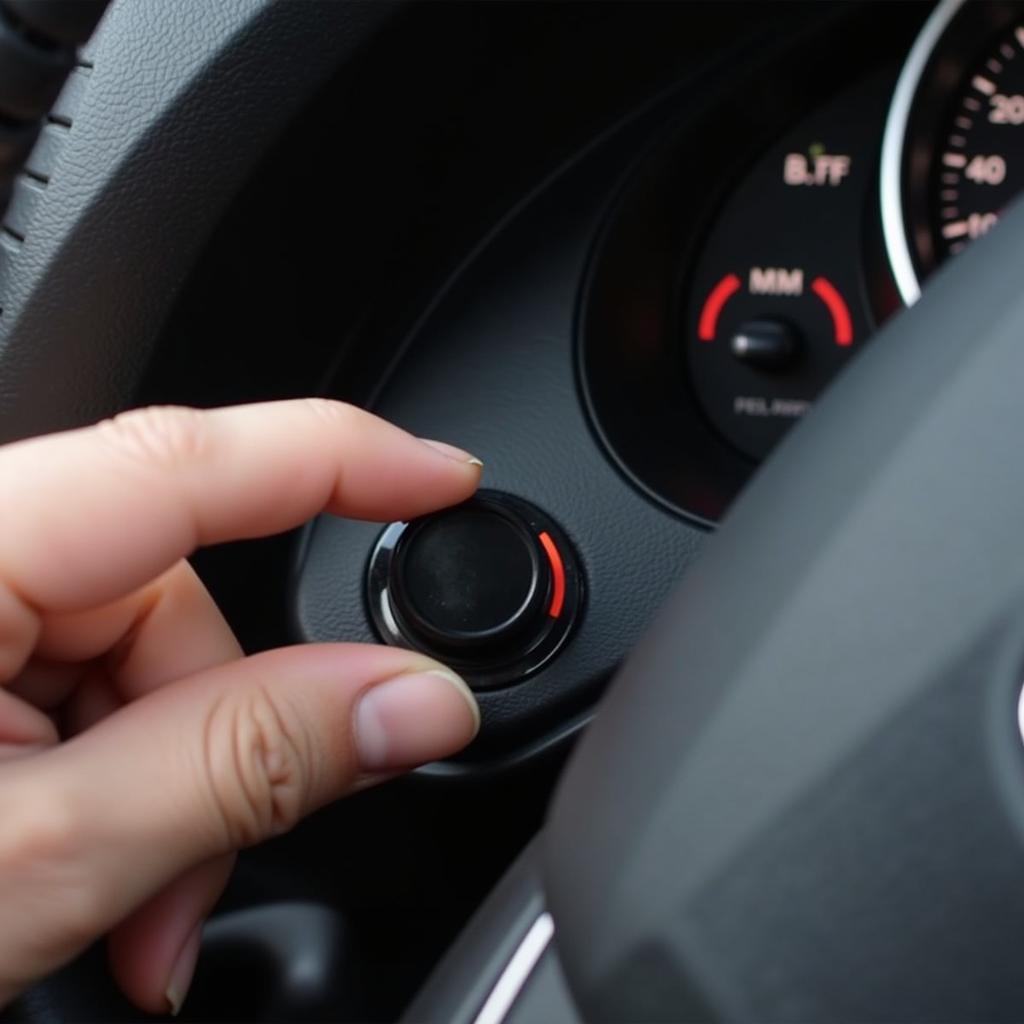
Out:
{"x": 92, "y": 514}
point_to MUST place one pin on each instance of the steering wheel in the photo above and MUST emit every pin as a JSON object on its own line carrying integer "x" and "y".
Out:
{"x": 803, "y": 797}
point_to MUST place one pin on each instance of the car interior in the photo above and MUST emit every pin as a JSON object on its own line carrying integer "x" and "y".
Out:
{"x": 726, "y": 297}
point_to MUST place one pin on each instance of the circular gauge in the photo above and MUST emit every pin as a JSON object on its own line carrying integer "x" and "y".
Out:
{"x": 953, "y": 152}
{"x": 774, "y": 304}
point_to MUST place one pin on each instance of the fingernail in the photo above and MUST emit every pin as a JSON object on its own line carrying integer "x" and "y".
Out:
{"x": 414, "y": 719}
{"x": 184, "y": 968}
{"x": 452, "y": 452}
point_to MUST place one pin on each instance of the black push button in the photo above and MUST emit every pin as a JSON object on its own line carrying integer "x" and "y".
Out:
{"x": 491, "y": 587}
{"x": 470, "y": 579}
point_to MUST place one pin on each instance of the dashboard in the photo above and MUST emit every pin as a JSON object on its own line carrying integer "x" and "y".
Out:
{"x": 639, "y": 332}
{"x": 616, "y": 250}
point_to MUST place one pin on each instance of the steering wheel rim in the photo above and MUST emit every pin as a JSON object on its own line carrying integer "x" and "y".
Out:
{"x": 803, "y": 796}
{"x": 726, "y": 840}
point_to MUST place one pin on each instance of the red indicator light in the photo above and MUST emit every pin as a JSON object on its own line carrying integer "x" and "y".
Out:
{"x": 557, "y": 575}
{"x": 720, "y": 295}
{"x": 839, "y": 311}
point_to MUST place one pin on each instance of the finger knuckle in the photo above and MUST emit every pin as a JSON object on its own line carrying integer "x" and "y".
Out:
{"x": 45, "y": 854}
{"x": 46, "y": 832}
{"x": 260, "y": 766}
{"x": 334, "y": 414}
{"x": 164, "y": 436}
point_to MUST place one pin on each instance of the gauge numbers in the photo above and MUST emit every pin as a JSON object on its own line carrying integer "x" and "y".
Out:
{"x": 981, "y": 164}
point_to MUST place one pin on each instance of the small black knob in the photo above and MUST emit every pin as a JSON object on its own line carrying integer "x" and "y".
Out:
{"x": 469, "y": 580}
{"x": 490, "y": 586}
{"x": 766, "y": 344}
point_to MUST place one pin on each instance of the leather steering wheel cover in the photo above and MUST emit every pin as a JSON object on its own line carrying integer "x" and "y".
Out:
{"x": 725, "y": 843}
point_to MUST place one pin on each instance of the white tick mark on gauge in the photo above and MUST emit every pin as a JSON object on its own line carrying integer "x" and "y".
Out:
{"x": 1019, "y": 33}
{"x": 954, "y": 159}
{"x": 957, "y": 229}
{"x": 983, "y": 84}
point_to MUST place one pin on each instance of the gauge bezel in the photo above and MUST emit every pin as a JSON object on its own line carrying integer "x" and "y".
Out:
{"x": 931, "y": 74}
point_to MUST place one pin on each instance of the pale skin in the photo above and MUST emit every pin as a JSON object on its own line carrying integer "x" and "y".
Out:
{"x": 174, "y": 751}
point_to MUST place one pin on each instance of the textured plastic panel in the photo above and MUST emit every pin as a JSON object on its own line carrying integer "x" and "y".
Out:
{"x": 491, "y": 369}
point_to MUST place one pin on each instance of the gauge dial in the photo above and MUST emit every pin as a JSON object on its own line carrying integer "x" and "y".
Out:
{"x": 953, "y": 152}
{"x": 981, "y": 161}
{"x": 776, "y": 302}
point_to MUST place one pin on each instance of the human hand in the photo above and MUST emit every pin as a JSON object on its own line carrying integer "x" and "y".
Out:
{"x": 174, "y": 751}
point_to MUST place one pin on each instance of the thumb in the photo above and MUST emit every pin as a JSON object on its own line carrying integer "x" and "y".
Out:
{"x": 215, "y": 762}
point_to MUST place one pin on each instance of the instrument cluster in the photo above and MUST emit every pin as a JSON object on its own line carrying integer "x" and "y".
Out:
{"x": 758, "y": 247}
